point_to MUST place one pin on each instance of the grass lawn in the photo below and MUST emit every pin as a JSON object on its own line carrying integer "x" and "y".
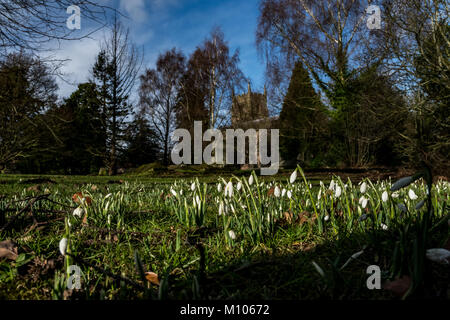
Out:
{"x": 177, "y": 237}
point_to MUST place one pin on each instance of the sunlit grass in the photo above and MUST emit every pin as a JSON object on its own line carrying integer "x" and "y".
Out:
{"x": 252, "y": 231}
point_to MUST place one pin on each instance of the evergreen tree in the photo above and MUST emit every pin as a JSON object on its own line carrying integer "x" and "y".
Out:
{"x": 115, "y": 72}
{"x": 142, "y": 146}
{"x": 79, "y": 132}
{"x": 27, "y": 89}
{"x": 301, "y": 119}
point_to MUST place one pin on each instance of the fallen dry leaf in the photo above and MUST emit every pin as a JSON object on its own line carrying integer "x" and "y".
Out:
{"x": 84, "y": 222}
{"x": 77, "y": 198}
{"x": 152, "y": 278}
{"x": 398, "y": 286}
{"x": 88, "y": 200}
{"x": 271, "y": 191}
{"x": 35, "y": 188}
{"x": 288, "y": 216}
{"x": 8, "y": 250}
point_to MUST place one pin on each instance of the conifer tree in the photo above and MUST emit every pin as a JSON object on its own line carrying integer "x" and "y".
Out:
{"x": 301, "y": 116}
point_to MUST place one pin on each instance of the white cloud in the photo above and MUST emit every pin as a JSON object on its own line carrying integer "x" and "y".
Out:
{"x": 81, "y": 57}
{"x": 135, "y": 9}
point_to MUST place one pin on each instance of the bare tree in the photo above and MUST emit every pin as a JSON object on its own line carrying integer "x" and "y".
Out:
{"x": 331, "y": 39}
{"x": 29, "y": 25}
{"x": 221, "y": 73}
{"x": 327, "y": 36}
{"x": 417, "y": 40}
{"x": 158, "y": 95}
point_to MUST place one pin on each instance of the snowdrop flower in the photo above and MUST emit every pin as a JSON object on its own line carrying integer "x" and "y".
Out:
{"x": 197, "y": 200}
{"x": 283, "y": 192}
{"x": 326, "y": 218}
{"x": 293, "y": 176}
{"x": 338, "y": 191}
{"x": 308, "y": 202}
{"x": 363, "y": 202}
{"x": 321, "y": 184}
{"x": 239, "y": 186}
{"x": 395, "y": 195}
{"x": 384, "y": 227}
{"x": 78, "y": 212}
{"x": 63, "y": 246}
{"x": 193, "y": 186}
{"x": 384, "y": 196}
{"x": 181, "y": 192}
{"x": 277, "y": 192}
{"x": 108, "y": 195}
{"x": 332, "y": 185}
{"x": 363, "y": 187}
{"x": 319, "y": 194}
{"x": 439, "y": 255}
{"x": 232, "y": 234}
{"x": 412, "y": 194}
{"x": 221, "y": 208}
{"x": 219, "y": 187}
{"x": 250, "y": 180}
{"x": 229, "y": 189}
{"x": 232, "y": 208}
{"x": 173, "y": 192}
{"x": 289, "y": 194}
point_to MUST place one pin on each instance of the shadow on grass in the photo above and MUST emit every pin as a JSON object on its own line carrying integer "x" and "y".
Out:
{"x": 274, "y": 275}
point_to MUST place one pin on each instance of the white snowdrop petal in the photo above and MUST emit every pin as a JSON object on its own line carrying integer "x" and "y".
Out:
{"x": 78, "y": 212}
{"x": 277, "y": 192}
{"x": 384, "y": 196}
{"x": 293, "y": 177}
{"x": 338, "y": 191}
{"x": 412, "y": 195}
{"x": 63, "y": 246}
{"x": 363, "y": 187}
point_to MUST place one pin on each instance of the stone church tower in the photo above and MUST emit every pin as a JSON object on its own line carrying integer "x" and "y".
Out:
{"x": 248, "y": 107}
{"x": 250, "y": 111}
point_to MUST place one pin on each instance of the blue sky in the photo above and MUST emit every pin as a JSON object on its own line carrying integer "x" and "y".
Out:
{"x": 159, "y": 25}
